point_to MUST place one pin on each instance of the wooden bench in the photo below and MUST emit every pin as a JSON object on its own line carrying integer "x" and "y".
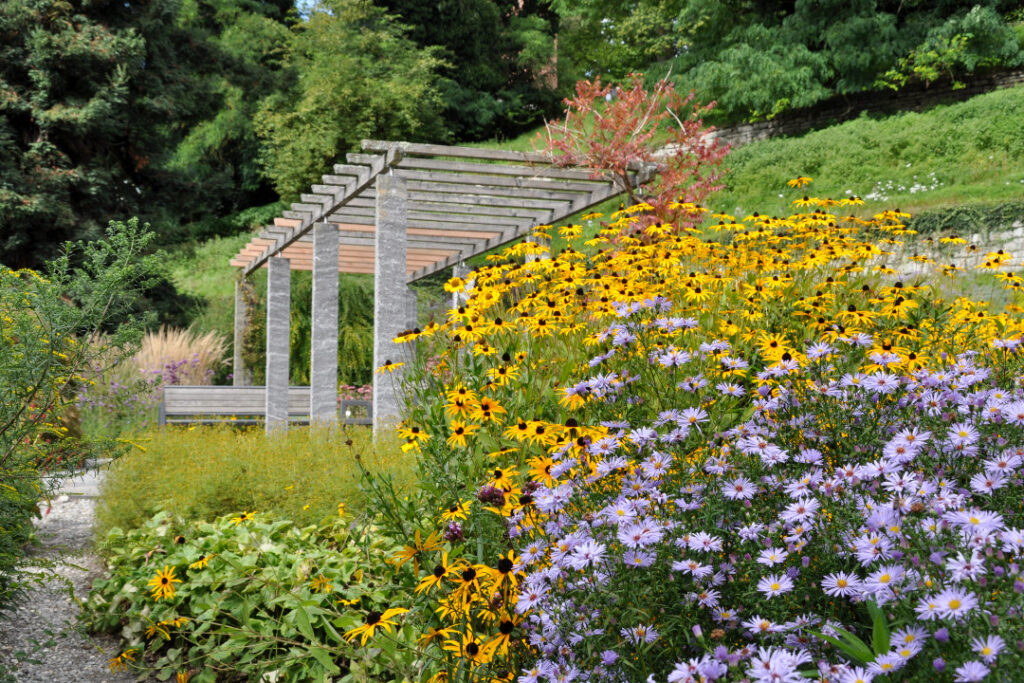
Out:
{"x": 242, "y": 405}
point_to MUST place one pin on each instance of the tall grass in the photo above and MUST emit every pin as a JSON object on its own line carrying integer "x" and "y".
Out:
{"x": 181, "y": 356}
{"x": 201, "y": 472}
{"x": 120, "y": 398}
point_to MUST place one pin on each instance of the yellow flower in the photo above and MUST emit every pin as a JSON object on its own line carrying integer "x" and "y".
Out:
{"x": 162, "y": 585}
{"x": 201, "y": 563}
{"x": 374, "y": 620}
{"x": 321, "y": 584}
{"x": 454, "y": 285}
{"x": 120, "y": 662}
{"x": 389, "y": 367}
{"x": 460, "y": 430}
{"x": 455, "y": 512}
{"x": 434, "y": 634}
{"x": 418, "y": 547}
{"x": 244, "y": 517}
{"x": 799, "y": 181}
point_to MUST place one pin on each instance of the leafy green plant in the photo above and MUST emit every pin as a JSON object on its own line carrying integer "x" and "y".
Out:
{"x": 43, "y": 319}
{"x": 250, "y": 597}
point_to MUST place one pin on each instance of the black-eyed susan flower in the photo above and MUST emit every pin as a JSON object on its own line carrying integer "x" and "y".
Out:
{"x": 418, "y": 548}
{"x": 374, "y": 620}
{"x": 470, "y": 649}
{"x": 389, "y": 367}
{"x": 201, "y": 563}
{"x": 162, "y": 585}
{"x": 459, "y": 432}
{"x": 441, "y": 571}
{"x": 799, "y": 181}
{"x": 320, "y": 584}
{"x": 120, "y": 662}
{"x": 244, "y": 517}
{"x": 457, "y": 511}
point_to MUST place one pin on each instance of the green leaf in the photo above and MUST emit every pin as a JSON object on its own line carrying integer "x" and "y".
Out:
{"x": 302, "y": 623}
{"x": 321, "y": 655}
{"x": 851, "y": 645}
{"x": 879, "y": 628}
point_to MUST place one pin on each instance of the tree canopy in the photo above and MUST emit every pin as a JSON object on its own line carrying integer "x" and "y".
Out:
{"x": 199, "y": 115}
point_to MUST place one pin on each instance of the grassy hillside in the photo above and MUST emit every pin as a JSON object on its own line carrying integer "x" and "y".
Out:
{"x": 966, "y": 153}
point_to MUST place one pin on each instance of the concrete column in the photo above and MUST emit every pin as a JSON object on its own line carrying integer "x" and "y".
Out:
{"x": 413, "y": 303}
{"x": 241, "y": 376}
{"x": 279, "y": 284}
{"x": 460, "y": 270}
{"x": 390, "y": 298}
{"x": 323, "y": 372}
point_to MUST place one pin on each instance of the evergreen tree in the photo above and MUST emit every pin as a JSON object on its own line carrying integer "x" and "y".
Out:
{"x": 501, "y": 75}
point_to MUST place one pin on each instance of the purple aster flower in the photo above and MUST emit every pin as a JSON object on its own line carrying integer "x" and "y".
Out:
{"x": 970, "y": 671}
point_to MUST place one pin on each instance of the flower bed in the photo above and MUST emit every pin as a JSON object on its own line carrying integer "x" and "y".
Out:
{"x": 746, "y": 452}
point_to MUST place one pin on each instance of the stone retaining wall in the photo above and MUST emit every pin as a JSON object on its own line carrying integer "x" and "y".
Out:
{"x": 1009, "y": 239}
{"x": 845, "y": 107}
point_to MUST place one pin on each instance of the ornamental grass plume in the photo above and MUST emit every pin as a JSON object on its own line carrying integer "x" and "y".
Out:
{"x": 181, "y": 356}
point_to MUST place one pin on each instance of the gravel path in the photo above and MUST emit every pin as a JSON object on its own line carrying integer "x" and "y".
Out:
{"x": 43, "y": 631}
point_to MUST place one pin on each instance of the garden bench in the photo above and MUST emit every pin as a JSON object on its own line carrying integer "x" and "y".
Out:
{"x": 242, "y": 405}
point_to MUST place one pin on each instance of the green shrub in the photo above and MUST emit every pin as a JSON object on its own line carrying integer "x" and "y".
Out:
{"x": 200, "y": 472}
{"x": 250, "y": 599}
{"x": 43, "y": 318}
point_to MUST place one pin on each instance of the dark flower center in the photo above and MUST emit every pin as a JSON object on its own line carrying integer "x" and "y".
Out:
{"x": 372, "y": 618}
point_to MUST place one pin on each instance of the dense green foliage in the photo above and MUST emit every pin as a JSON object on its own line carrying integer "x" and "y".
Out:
{"x": 759, "y": 58}
{"x": 110, "y": 109}
{"x": 357, "y": 76}
{"x": 202, "y": 472}
{"x": 258, "y": 599}
{"x": 501, "y": 73}
{"x": 41, "y": 361}
{"x": 916, "y": 161}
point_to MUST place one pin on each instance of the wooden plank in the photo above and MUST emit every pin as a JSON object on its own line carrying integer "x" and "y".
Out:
{"x": 595, "y": 198}
{"x": 475, "y": 179}
{"x": 365, "y": 179}
{"x": 466, "y": 208}
{"x": 539, "y": 171}
{"x": 423, "y": 149}
{"x": 352, "y": 212}
{"x": 551, "y": 199}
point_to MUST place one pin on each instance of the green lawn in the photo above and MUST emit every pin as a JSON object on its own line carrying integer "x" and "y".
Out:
{"x": 966, "y": 153}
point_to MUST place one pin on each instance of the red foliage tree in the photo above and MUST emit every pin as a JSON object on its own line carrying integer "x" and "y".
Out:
{"x": 656, "y": 138}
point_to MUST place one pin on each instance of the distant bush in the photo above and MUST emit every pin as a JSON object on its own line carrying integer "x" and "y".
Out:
{"x": 204, "y": 471}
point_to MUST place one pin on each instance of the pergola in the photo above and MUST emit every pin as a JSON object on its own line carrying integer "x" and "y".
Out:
{"x": 401, "y": 211}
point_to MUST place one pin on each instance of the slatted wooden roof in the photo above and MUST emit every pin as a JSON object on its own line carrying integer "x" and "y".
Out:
{"x": 462, "y": 201}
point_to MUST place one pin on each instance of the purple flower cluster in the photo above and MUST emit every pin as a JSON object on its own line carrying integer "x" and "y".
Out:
{"x": 774, "y": 534}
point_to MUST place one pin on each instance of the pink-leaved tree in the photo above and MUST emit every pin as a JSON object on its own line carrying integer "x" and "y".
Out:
{"x": 656, "y": 136}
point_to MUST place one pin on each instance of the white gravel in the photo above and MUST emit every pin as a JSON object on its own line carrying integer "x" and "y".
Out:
{"x": 41, "y": 640}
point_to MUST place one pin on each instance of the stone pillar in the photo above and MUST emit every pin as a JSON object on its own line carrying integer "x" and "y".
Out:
{"x": 323, "y": 371}
{"x": 279, "y": 284}
{"x": 460, "y": 270}
{"x": 241, "y": 375}
{"x": 413, "y": 303}
{"x": 390, "y": 298}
